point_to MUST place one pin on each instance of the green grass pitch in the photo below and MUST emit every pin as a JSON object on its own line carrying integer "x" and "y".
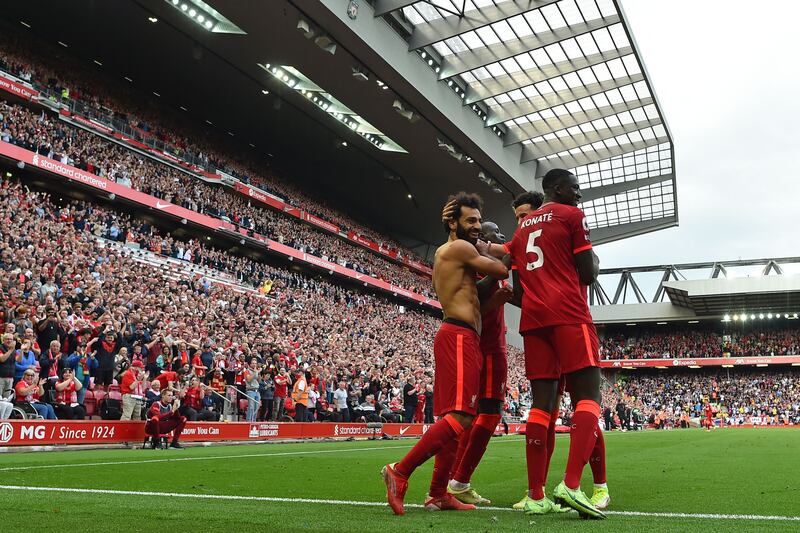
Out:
{"x": 689, "y": 472}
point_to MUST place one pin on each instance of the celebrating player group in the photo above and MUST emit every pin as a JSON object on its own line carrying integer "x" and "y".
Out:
{"x": 552, "y": 262}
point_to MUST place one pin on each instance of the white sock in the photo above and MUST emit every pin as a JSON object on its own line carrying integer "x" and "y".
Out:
{"x": 600, "y": 486}
{"x": 457, "y": 485}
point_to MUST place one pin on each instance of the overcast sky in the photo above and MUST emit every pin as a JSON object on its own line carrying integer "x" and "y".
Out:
{"x": 727, "y": 76}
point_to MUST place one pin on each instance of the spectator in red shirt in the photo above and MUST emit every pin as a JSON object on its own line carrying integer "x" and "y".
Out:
{"x": 281, "y": 390}
{"x": 67, "y": 406}
{"x": 192, "y": 403}
{"x": 164, "y": 417}
{"x": 29, "y": 391}
{"x": 133, "y": 390}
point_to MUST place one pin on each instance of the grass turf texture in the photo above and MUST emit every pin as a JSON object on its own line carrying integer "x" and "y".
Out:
{"x": 729, "y": 471}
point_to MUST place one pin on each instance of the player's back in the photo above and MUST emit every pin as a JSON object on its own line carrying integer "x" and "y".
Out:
{"x": 543, "y": 250}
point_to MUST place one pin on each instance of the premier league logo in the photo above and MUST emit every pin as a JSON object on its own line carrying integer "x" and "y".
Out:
{"x": 352, "y": 9}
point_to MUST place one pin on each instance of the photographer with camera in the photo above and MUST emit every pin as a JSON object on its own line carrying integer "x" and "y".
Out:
{"x": 164, "y": 417}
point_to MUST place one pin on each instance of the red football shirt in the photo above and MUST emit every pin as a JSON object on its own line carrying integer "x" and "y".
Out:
{"x": 493, "y": 332}
{"x": 542, "y": 251}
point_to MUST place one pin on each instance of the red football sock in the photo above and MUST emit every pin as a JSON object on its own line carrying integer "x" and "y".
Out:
{"x": 582, "y": 438}
{"x": 479, "y": 435}
{"x": 536, "y": 451}
{"x": 438, "y": 435}
{"x": 442, "y": 466}
{"x": 597, "y": 461}
{"x": 463, "y": 442}
{"x": 551, "y": 440}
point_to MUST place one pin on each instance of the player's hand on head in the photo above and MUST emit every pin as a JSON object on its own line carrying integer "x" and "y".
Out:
{"x": 449, "y": 210}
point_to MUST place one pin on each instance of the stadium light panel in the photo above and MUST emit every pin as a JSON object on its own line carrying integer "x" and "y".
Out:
{"x": 752, "y": 317}
{"x": 299, "y": 82}
{"x": 735, "y": 317}
{"x": 152, "y": 19}
{"x": 769, "y": 315}
{"x": 694, "y": 322}
{"x": 726, "y": 318}
{"x": 661, "y": 323}
{"x": 25, "y": 24}
{"x": 744, "y": 318}
{"x": 205, "y": 16}
{"x": 761, "y": 316}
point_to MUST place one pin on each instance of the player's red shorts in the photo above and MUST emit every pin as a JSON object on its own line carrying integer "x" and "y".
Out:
{"x": 556, "y": 350}
{"x": 494, "y": 375}
{"x": 458, "y": 359}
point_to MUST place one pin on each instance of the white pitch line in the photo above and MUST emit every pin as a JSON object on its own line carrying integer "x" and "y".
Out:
{"x": 210, "y": 457}
{"x": 352, "y": 503}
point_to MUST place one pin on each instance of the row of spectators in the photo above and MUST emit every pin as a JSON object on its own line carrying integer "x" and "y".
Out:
{"x": 71, "y": 300}
{"x": 701, "y": 343}
{"x": 737, "y": 396}
{"x": 55, "y": 139}
{"x": 72, "y": 81}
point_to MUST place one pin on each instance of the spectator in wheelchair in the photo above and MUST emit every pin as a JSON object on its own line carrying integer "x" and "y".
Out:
{"x": 67, "y": 406}
{"x": 29, "y": 390}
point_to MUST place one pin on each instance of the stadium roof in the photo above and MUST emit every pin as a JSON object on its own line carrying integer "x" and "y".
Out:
{"x": 543, "y": 85}
{"x": 564, "y": 81}
{"x": 747, "y": 288}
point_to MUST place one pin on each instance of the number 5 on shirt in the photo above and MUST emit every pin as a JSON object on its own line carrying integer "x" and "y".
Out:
{"x": 533, "y": 249}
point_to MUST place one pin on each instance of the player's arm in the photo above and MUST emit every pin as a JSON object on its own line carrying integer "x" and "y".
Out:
{"x": 480, "y": 263}
{"x": 588, "y": 265}
{"x": 586, "y": 261}
{"x": 498, "y": 299}
{"x": 485, "y": 286}
{"x": 516, "y": 298}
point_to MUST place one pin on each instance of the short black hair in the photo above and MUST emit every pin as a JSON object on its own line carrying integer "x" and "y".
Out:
{"x": 535, "y": 198}
{"x": 553, "y": 177}
{"x": 463, "y": 199}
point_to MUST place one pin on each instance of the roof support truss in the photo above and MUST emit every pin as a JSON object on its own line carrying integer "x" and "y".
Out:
{"x": 384, "y": 7}
{"x": 520, "y": 132}
{"x": 593, "y": 193}
{"x": 480, "y": 57}
{"x": 526, "y": 106}
{"x": 592, "y": 155}
{"x": 445, "y": 28}
{"x": 547, "y": 147}
{"x": 495, "y": 86}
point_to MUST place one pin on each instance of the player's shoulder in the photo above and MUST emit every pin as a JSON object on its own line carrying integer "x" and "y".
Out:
{"x": 456, "y": 247}
{"x": 568, "y": 210}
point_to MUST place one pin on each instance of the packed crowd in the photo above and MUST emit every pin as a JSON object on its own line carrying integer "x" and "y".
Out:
{"x": 737, "y": 396}
{"x": 699, "y": 343}
{"x": 70, "y": 80}
{"x": 72, "y": 301}
{"x": 55, "y": 139}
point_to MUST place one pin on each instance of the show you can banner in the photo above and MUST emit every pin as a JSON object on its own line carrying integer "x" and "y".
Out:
{"x": 71, "y": 432}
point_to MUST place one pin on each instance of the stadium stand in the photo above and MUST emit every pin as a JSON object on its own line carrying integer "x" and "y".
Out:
{"x": 737, "y": 396}
{"x": 697, "y": 342}
{"x": 81, "y": 149}
{"x": 67, "y": 80}
{"x": 97, "y": 266}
